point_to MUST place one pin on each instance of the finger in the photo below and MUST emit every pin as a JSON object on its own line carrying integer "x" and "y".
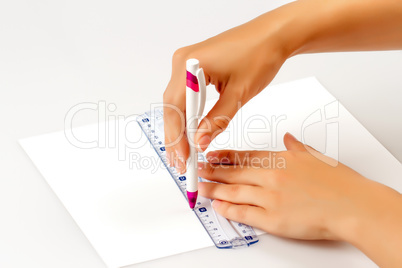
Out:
{"x": 291, "y": 143}
{"x": 264, "y": 159}
{"x": 175, "y": 139}
{"x": 174, "y": 102}
{"x": 230, "y": 174}
{"x": 234, "y": 193}
{"x": 217, "y": 120}
{"x": 246, "y": 214}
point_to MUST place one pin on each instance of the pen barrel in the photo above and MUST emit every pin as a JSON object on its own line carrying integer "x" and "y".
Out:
{"x": 192, "y": 172}
{"x": 192, "y": 125}
{"x": 192, "y": 99}
{"x": 192, "y": 66}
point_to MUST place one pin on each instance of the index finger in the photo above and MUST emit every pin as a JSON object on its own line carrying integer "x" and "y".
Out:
{"x": 263, "y": 159}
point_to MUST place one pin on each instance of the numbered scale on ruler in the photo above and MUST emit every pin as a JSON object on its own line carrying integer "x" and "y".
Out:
{"x": 224, "y": 233}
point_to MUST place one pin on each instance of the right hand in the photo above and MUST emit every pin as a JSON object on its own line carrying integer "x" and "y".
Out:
{"x": 239, "y": 62}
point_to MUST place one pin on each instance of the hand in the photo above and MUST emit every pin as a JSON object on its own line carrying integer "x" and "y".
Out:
{"x": 309, "y": 198}
{"x": 298, "y": 193}
{"x": 240, "y": 63}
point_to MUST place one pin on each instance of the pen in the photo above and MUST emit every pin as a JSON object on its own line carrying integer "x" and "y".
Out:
{"x": 195, "y": 102}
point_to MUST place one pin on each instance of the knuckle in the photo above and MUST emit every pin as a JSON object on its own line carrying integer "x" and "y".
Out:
{"x": 180, "y": 55}
{"x": 223, "y": 209}
{"x": 291, "y": 155}
{"x": 241, "y": 213}
{"x": 225, "y": 158}
{"x": 275, "y": 224}
{"x": 279, "y": 177}
{"x": 227, "y": 154}
{"x": 210, "y": 171}
{"x": 274, "y": 179}
{"x": 281, "y": 181}
{"x": 238, "y": 95}
{"x": 233, "y": 191}
{"x": 242, "y": 170}
{"x": 275, "y": 200}
{"x": 171, "y": 96}
{"x": 221, "y": 122}
{"x": 167, "y": 96}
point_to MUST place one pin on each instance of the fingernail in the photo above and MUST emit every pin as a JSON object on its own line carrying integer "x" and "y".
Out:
{"x": 203, "y": 143}
{"x": 293, "y": 137}
{"x": 200, "y": 166}
{"x": 180, "y": 166}
{"x": 179, "y": 170}
{"x": 216, "y": 203}
{"x": 180, "y": 163}
{"x": 170, "y": 157}
{"x": 179, "y": 156}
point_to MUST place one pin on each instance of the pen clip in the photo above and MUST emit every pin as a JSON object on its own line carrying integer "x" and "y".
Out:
{"x": 203, "y": 91}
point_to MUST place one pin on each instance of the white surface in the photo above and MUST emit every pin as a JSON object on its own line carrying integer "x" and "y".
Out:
{"x": 129, "y": 208}
{"x": 130, "y": 214}
{"x": 55, "y": 54}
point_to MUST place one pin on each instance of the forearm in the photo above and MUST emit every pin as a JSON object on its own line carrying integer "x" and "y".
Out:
{"x": 310, "y": 26}
{"x": 372, "y": 222}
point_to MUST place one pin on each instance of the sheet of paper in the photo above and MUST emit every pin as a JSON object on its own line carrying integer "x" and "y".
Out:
{"x": 129, "y": 214}
{"x": 130, "y": 209}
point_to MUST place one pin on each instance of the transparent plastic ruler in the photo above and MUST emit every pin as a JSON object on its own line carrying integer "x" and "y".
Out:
{"x": 224, "y": 233}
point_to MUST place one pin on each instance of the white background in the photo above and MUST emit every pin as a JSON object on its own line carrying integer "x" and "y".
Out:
{"x": 56, "y": 54}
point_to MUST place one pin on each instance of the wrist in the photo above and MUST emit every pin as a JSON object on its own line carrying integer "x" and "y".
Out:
{"x": 290, "y": 28}
{"x": 358, "y": 211}
{"x": 308, "y": 26}
{"x": 371, "y": 222}
{"x": 361, "y": 204}
{"x": 287, "y": 30}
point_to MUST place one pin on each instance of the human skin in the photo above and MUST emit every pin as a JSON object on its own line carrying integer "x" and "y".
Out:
{"x": 240, "y": 63}
{"x": 308, "y": 196}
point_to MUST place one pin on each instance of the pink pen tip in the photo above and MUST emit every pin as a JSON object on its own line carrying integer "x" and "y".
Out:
{"x": 192, "y": 198}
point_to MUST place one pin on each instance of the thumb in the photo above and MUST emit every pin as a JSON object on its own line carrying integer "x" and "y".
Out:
{"x": 217, "y": 120}
{"x": 292, "y": 143}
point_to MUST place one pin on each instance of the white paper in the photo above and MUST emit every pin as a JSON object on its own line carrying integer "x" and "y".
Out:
{"x": 130, "y": 209}
{"x": 129, "y": 215}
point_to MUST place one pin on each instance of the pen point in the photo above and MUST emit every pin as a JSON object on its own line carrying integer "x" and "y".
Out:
{"x": 192, "y": 198}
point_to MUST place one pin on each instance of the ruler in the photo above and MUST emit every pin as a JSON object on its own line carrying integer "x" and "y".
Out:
{"x": 224, "y": 233}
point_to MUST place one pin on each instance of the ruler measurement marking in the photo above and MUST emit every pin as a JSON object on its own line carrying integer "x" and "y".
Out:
{"x": 240, "y": 235}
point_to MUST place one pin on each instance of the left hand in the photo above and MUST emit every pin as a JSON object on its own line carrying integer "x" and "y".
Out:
{"x": 298, "y": 193}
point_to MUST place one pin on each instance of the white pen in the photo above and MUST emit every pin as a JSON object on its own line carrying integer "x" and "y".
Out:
{"x": 195, "y": 102}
